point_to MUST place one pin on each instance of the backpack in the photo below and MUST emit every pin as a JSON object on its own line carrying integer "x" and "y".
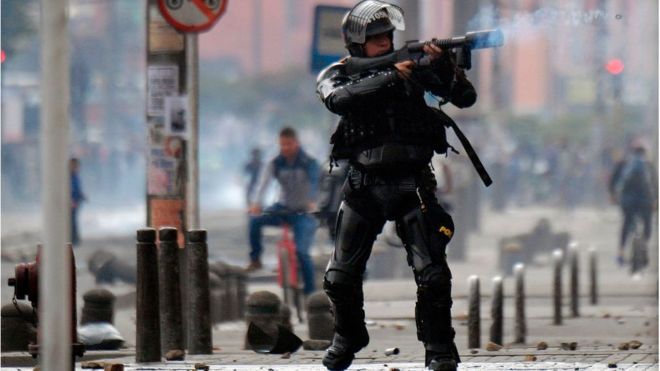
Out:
{"x": 635, "y": 179}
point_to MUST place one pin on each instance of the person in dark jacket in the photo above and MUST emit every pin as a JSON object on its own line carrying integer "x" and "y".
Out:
{"x": 77, "y": 198}
{"x": 389, "y": 134}
{"x": 252, "y": 169}
{"x": 633, "y": 186}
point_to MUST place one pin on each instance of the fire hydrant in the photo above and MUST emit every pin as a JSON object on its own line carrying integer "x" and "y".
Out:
{"x": 26, "y": 286}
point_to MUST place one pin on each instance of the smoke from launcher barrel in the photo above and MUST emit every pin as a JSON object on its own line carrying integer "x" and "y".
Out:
{"x": 413, "y": 50}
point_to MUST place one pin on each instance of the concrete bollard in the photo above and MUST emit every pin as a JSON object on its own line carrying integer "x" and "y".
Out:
{"x": 320, "y": 321}
{"x": 98, "y": 306}
{"x": 199, "y": 319}
{"x": 232, "y": 292}
{"x": 285, "y": 317}
{"x": 18, "y": 326}
{"x": 497, "y": 312}
{"x": 241, "y": 293}
{"x": 520, "y": 328}
{"x": 557, "y": 262}
{"x": 575, "y": 285}
{"x": 263, "y": 309}
{"x": 215, "y": 296}
{"x": 147, "y": 337}
{"x": 474, "y": 313}
{"x": 228, "y": 292}
{"x": 593, "y": 276}
{"x": 171, "y": 326}
{"x": 107, "y": 268}
{"x": 219, "y": 300}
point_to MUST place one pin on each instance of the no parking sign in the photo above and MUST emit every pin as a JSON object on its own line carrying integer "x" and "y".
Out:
{"x": 192, "y": 15}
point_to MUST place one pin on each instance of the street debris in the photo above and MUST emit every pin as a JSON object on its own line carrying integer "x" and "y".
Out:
{"x": 175, "y": 355}
{"x": 493, "y": 347}
{"x": 391, "y": 351}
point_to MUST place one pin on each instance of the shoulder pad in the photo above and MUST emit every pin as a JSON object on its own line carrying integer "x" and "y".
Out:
{"x": 337, "y": 68}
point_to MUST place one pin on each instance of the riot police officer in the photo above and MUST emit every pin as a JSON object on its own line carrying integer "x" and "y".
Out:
{"x": 389, "y": 134}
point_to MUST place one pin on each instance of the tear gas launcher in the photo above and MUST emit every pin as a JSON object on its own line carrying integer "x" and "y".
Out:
{"x": 460, "y": 46}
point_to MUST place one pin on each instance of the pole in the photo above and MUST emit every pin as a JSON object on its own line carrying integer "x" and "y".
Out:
{"x": 593, "y": 275}
{"x": 520, "y": 330}
{"x": 147, "y": 315}
{"x": 497, "y": 312}
{"x": 171, "y": 326}
{"x": 55, "y": 275}
{"x": 557, "y": 261}
{"x": 192, "y": 87}
{"x": 474, "y": 313}
{"x": 199, "y": 316}
{"x": 575, "y": 284}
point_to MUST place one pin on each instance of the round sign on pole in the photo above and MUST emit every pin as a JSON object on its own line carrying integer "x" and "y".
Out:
{"x": 192, "y": 15}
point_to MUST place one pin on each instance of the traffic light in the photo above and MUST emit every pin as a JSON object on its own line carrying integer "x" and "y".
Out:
{"x": 614, "y": 66}
{"x": 3, "y": 56}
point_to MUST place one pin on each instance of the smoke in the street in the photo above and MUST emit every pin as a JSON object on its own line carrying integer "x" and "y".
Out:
{"x": 521, "y": 24}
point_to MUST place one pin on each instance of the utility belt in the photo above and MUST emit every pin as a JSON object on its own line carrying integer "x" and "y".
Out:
{"x": 389, "y": 156}
{"x": 359, "y": 179}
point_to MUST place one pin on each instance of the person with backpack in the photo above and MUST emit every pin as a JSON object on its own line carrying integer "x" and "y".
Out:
{"x": 633, "y": 186}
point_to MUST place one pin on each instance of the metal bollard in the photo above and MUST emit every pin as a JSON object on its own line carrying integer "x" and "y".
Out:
{"x": 497, "y": 312}
{"x": 575, "y": 286}
{"x": 199, "y": 319}
{"x": 593, "y": 275}
{"x": 520, "y": 329}
{"x": 147, "y": 323}
{"x": 474, "y": 313}
{"x": 98, "y": 306}
{"x": 557, "y": 261}
{"x": 320, "y": 321}
{"x": 171, "y": 326}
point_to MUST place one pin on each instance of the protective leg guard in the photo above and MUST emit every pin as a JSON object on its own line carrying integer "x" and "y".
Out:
{"x": 426, "y": 234}
{"x": 343, "y": 284}
{"x": 350, "y": 331}
{"x": 433, "y": 317}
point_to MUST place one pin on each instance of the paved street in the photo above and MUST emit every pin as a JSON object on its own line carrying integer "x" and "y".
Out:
{"x": 627, "y": 308}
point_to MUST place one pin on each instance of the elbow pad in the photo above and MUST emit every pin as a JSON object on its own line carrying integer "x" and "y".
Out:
{"x": 347, "y": 96}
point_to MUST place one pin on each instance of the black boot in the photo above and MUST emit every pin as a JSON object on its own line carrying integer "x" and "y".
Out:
{"x": 442, "y": 357}
{"x": 341, "y": 353}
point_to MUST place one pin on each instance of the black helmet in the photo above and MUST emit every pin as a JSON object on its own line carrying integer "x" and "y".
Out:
{"x": 369, "y": 17}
